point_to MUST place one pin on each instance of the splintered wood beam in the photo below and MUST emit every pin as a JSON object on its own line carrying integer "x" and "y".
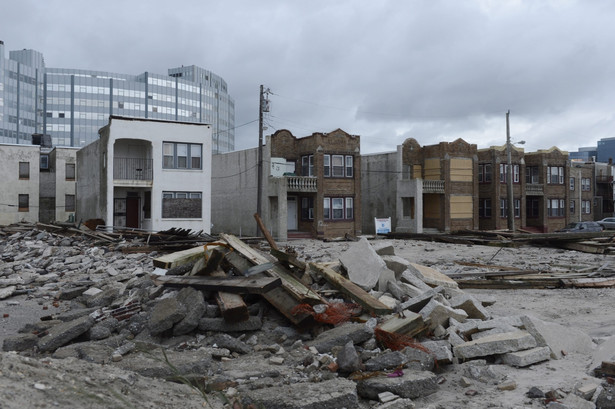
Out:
{"x": 237, "y": 285}
{"x": 287, "y": 258}
{"x": 359, "y": 295}
{"x": 411, "y": 324}
{"x": 266, "y": 233}
{"x": 179, "y": 257}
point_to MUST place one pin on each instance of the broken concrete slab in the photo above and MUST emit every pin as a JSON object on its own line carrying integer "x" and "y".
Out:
{"x": 62, "y": 334}
{"x": 471, "y": 306}
{"x": 6, "y": 292}
{"x": 577, "y": 402}
{"x": 348, "y": 360}
{"x": 432, "y": 276}
{"x": 253, "y": 323}
{"x": 500, "y": 322}
{"x": 340, "y": 335}
{"x": 439, "y": 314}
{"x": 383, "y": 248}
{"x": 417, "y": 303}
{"x": 155, "y": 363}
{"x": 194, "y": 302}
{"x": 412, "y": 384}
{"x": 397, "y": 404}
{"x": 527, "y": 357}
{"x": 396, "y": 264}
{"x": 410, "y": 278}
{"x": 495, "y": 344}
{"x": 560, "y": 339}
{"x": 440, "y": 350}
{"x": 364, "y": 266}
{"x": 20, "y": 342}
{"x": 331, "y": 394}
{"x": 231, "y": 343}
{"x": 387, "y": 360}
{"x": 497, "y": 330}
{"x": 165, "y": 314}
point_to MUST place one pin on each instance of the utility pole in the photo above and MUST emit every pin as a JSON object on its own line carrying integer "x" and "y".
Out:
{"x": 263, "y": 106}
{"x": 509, "y": 179}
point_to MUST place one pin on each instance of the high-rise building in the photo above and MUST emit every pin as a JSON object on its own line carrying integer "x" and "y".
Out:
{"x": 71, "y": 105}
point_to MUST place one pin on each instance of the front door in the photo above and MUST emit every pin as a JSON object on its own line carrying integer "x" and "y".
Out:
{"x": 132, "y": 212}
{"x": 291, "y": 209}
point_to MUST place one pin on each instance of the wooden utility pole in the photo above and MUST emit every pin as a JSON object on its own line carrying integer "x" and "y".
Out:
{"x": 259, "y": 190}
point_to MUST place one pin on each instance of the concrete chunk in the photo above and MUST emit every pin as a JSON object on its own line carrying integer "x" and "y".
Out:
{"x": 62, "y": 334}
{"x": 340, "y": 335}
{"x": 528, "y": 357}
{"x": 364, "y": 266}
{"x": 417, "y": 303}
{"x": 432, "y": 276}
{"x": 557, "y": 337}
{"x": 20, "y": 342}
{"x": 165, "y": 313}
{"x": 383, "y": 248}
{"x": 439, "y": 314}
{"x": 397, "y": 264}
{"x": 331, "y": 394}
{"x": 577, "y": 402}
{"x": 194, "y": 302}
{"x": 495, "y": 344}
{"x": 220, "y": 325}
{"x": 409, "y": 278}
{"x": 397, "y": 404}
{"x": 412, "y": 384}
{"x": 440, "y": 350}
{"x": 471, "y": 306}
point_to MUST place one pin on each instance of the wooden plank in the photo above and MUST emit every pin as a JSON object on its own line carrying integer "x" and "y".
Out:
{"x": 287, "y": 258}
{"x": 293, "y": 285}
{"x": 601, "y": 282}
{"x": 359, "y": 295}
{"x": 265, "y": 232}
{"x": 584, "y": 246}
{"x": 411, "y": 324}
{"x": 510, "y": 284}
{"x": 236, "y": 285}
{"x": 179, "y": 257}
{"x": 279, "y": 298}
{"x": 232, "y": 307}
{"x": 607, "y": 368}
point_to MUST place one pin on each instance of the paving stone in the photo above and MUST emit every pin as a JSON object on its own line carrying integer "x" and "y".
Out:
{"x": 432, "y": 276}
{"x": 331, "y": 394}
{"x": 412, "y": 384}
{"x": 364, "y": 266}
{"x": 495, "y": 344}
{"x": 62, "y": 334}
{"x": 527, "y": 357}
{"x": 439, "y": 314}
{"x": 557, "y": 337}
{"x": 471, "y": 306}
{"x": 340, "y": 335}
{"x": 165, "y": 314}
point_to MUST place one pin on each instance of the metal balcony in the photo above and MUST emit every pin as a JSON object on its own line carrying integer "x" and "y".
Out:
{"x": 132, "y": 169}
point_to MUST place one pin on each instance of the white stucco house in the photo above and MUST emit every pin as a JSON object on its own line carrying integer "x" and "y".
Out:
{"x": 147, "y": 174}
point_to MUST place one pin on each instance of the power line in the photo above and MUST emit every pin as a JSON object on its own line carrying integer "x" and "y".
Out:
{"x": 238, "y": 126}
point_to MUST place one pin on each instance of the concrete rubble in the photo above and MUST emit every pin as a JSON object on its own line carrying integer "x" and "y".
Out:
{"x": 107, "y": 309}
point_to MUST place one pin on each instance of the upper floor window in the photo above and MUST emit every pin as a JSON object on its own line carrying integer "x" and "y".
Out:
{"x": 586, "y": 184}
{"x": 504, "y": 173}
{"x": 177, "y": 155}
{"x": 70, "y": 171}
{"x": 484, "y": 173}
{"x": 532, "y": 175}
{"x": 45, "y": 162}
{"x": 338, "y": 166}
{"x": 24, "y": 170}
{"x": 555, "y": 175}
{"x": 307, "y": 165}
{"x": 572, "y": 180}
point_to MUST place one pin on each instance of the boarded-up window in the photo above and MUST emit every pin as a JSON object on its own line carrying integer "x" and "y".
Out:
{"x": 24, "y": 170}
{"x": 24, "y": 203}
{"x": 431, "y": 206}
{"x": 182, "y": 205}
{"x": 69, "y": 203}
{"x": 461, "y": 207}
{"x": 70, "y": 171}
{"x": 461, "y": 170}
{"x": 432, "y": 169}
{"x": 417, "y": 172}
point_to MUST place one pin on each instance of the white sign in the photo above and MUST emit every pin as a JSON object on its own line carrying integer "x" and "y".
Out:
{"x": 383, "y": 225}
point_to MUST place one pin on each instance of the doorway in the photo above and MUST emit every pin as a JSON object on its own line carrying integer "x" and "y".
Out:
{"x": 291, "y": 210}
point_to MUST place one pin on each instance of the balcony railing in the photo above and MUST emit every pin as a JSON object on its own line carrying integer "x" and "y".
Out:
{"x": 433, "y": 186}
{"x": 604, "y": 179}
{"x": 132, "y": 169}
{"x": 534, "y": 189}
{"x": 301, "y": 184}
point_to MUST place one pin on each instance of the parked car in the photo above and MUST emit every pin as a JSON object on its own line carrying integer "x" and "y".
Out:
{"x": 607, "y": 222}
{"x": 581, "y": 227}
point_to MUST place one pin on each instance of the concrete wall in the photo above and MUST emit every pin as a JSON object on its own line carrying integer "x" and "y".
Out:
{"x": 64, "y": 187}
{"x": 234, "y": 191}
{"x": 11, "y": 186}
{"x": 379, "y": 174}
{"x": 90, "y": 188}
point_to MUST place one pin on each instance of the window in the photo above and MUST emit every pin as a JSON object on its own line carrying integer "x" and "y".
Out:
{"x": 70, "y": 172}
{"x": 484, "y": 208}
{"x": 484, "y": 173}
{"x": 307, "y": 208}
{"x": 338, "y": 208}
{"x": 182, "y": 205}
{"x": 571, "y": 183}
{"x": 326, "y": 165}
{"x": 24, "y": 203}
{"x": 555, "y": 175}
{"x": 337, "y": 204}
{"x": 182, "y": 155}
{"x": 338, "y": 166}
{"x": 504, "y": 173}
{"x": 572, "y": 205}
{"x": 44, "y": 161}
{"x": 24, "y": 170}
{"x": 69, "y": 203}
{"x": 586, "y": 184}
{"x": 349, "y": 168}
{"x": 586, "y": 206}
{"x": 504, "y": 207}
{"x": 555, "y": 207}
{"x": 326, "y": 214}
{"x": 307, "y": 165}
{"x": 532, "y": 175}
{"x": 349, "y": 204}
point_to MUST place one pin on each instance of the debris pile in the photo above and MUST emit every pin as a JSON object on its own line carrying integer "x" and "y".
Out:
{"x": 267, "y": 329}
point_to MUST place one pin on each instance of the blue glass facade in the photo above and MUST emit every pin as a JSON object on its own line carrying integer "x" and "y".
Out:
{"x": 71, "y": 105}
{"x": 606, "y": 150}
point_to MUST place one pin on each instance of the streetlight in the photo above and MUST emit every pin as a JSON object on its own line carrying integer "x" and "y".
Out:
{"x": 509, "y": 178}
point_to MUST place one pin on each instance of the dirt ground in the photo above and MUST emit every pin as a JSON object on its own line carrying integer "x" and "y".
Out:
{"x": 29, "y": 382}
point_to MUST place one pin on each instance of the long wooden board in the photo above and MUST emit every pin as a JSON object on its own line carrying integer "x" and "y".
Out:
{"x": 179, "y": 257}
{"x": 237, "y": 285}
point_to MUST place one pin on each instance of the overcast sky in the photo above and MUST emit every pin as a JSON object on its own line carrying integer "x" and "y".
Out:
{"x": 386, "y": 70}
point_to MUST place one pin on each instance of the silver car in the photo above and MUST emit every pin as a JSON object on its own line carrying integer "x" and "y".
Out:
{"x": 607, "y": 222}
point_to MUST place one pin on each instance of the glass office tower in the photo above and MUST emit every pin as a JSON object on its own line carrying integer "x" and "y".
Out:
{"x": 71, "y": 105}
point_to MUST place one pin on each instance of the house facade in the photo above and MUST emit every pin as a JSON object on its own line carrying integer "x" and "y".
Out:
{"x": 309, "y": 185}
{"x": 147, "y": 174}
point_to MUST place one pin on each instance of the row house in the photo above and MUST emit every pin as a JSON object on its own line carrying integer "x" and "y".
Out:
{"x": 147, "y": 174}
{"x": 38, "y": 182}
{"x": 310, "y": 186}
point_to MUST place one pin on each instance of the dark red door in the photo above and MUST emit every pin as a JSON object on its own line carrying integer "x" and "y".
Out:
{"x": 132, "y": 212}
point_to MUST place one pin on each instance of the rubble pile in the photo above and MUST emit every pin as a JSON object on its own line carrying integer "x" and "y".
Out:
{"x": 258, "y": 327}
